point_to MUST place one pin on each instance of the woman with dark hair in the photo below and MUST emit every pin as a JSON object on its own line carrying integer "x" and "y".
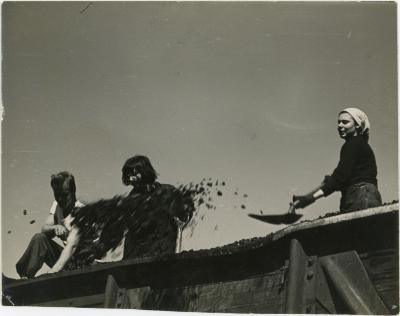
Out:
{"x": 154, "y": 227}
{"x": 147, "y": 222}
{"x": 356, "y": 174}
{"x": 138, "y": 165}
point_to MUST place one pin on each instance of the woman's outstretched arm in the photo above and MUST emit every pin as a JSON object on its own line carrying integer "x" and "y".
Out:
{"x": 301, "y": 201}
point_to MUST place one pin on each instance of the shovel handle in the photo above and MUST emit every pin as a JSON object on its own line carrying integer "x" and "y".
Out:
{"x": 292, "y": 207}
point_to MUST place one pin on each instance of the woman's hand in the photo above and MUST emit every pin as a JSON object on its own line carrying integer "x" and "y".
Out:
{"x": 54, "y": 269}
{"x": 302, "y": 201}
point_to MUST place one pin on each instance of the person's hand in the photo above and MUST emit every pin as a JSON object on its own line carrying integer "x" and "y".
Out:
{"x": 54, "y": 269}
{"x": 302, "y": 201}
{"x": 60, "y": 231}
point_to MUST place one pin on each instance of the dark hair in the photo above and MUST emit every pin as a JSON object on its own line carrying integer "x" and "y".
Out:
{"x": 60, "y": 179}
{"x": 143, "y": 166}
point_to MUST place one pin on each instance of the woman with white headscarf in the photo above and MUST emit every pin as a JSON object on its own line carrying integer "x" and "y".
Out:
{"x": 356, "y": 174}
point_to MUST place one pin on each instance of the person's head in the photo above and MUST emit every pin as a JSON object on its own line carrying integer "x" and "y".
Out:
{"x": 138, "y": 171}
{"x": 353, "y": 122}
{"x": 64, "y": 189}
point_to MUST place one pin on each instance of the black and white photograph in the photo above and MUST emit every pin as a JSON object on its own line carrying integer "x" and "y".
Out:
{"x": 200, "y": 156}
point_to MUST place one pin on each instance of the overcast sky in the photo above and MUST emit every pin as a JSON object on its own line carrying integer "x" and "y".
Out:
{"x": 247, "y": 93}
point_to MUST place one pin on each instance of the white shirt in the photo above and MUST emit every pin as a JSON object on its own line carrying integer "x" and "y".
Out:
{"x": 112, "y": 254}
{"x": 56, "y": 209}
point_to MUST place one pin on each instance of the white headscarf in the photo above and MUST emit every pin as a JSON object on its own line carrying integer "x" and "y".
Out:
{"x": 360, "y": 118}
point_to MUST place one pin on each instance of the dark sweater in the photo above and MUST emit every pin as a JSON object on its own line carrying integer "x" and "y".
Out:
{"x": 357, "y": 164}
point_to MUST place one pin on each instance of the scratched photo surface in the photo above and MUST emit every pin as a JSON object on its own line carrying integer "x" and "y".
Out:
{"x": 238, "y": 101}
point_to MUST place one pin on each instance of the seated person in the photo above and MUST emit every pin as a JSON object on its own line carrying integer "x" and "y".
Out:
{"x": 42, "y": 249}
{"x": 147, "y": 220}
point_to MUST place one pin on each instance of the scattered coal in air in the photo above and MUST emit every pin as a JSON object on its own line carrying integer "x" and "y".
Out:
{"x": 103, "y": 223}
{"x": 147, "y": 216}
{"x": 207, "y": 195}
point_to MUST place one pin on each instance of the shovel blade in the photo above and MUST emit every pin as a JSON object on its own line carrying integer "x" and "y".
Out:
{"x": 276, "y": 219}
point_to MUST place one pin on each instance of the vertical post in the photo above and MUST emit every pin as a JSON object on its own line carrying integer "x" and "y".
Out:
{"x": 111, "y": 292}
{"x": 300, "y": 289}
{"x": 352, "y": 284}
{"x": 294, "y": 289}
{"x": 115, "y": 297}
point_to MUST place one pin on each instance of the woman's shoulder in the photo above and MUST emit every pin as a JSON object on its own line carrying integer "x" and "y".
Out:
{"x": 356, "y": 141}
{"x": 355, "y": 145}
{"x": 166, "y": 187}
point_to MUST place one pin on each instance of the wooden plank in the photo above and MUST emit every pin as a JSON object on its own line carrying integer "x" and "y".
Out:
{"x": 84, "y": 301}
{"x": 136, "y": 297}
{"x": 336, "y": 219}
{"x": 352, "y": 284}
{"x": 383, "y": 270}
{"x": 258, "y": 294}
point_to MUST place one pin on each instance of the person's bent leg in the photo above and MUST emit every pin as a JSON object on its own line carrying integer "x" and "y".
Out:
{"x": 40, "y": 249}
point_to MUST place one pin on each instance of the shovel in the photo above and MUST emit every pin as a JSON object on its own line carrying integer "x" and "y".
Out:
{"x": 288, "y": 218}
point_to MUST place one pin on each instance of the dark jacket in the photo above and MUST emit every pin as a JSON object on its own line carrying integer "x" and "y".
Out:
{"x": 357, "y": 164}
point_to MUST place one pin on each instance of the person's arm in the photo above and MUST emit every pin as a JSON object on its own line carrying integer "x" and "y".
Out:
{"x": 66, "y": 254}
{"x": 181, "y": 210}
{"x": 301, "y": 201}
{"x": 340, "y": 176}
{"x": 53, "y": 230}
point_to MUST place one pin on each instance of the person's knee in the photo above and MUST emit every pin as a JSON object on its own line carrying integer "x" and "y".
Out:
{"x": 39, "y": 237}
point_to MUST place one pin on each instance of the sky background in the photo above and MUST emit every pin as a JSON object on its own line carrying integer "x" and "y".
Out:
{"x": 246, "y": 93}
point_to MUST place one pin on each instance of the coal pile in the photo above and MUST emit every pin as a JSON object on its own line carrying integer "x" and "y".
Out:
{"x": 102, "y": 224}
{"x": 204, "y": 194}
